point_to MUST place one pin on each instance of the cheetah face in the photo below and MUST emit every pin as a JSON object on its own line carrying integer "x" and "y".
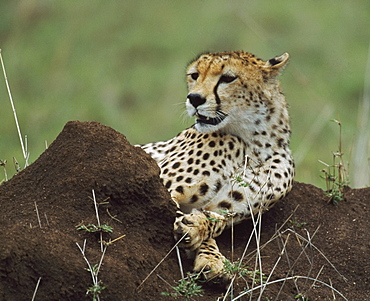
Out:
{"x": 223, "y": 89}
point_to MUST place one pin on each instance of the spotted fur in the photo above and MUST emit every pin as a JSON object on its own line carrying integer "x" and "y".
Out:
{"x": 235, "y": 159}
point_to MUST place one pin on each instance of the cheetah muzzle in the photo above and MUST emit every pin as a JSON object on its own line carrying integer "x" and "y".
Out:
{"x": 235, "y": 160}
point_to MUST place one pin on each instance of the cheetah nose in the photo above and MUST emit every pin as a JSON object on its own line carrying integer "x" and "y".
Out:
{"x": 196, "y": 99}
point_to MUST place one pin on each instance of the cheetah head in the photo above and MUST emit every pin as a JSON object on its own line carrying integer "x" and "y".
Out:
{"x": 227, "y": 89}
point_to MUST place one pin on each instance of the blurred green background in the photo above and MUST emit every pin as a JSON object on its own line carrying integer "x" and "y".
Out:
{"x": 122, "y": 63}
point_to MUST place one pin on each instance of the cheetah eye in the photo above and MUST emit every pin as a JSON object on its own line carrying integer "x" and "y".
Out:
{"x": 194, "y": 75}
{"x": 227, "y": 78}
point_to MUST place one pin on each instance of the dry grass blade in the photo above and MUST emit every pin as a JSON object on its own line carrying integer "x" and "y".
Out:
{"x": 98, "y": 219}
{"x": 303, "y": 251}
{"x": 294, "y": 278}
{"x": 317, "y": 277}
{"x": 164, "y": 280}
{"x": 361, "y": 176}
{"x": 251, "y": 254}
{"x": 230, "y": 287}
{"x": 180, "y": 262}
{"x": 36, "y": 288}
{"x": 46, "y": 218}
{"x": 332, "y": 290}
{"x": 25, "y": 156}
{"x": 87, "y": 261}
{"x": 113, "y": 217}
{"x": 307, "y": 253}
{"x": 94, "y": 270}
{"x": 321, "y": 253}
{"x": 139, "y": 288}
{"x": 114, "y": 240}
{"x": 38, "y": 216}
{"x": 282, "y": 252}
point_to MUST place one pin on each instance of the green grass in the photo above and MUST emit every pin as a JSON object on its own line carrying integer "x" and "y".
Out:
{"x": 335, "y": 175}
{"x": 94, "y": 228}
{"x": 187, "y": 288}
{"x": 122, "y": 64}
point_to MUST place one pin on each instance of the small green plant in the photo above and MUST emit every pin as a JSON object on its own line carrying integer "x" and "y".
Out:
{"x": 335, "y": 175}
{"x": 97, "y": 288}
{"x": 239, "y": 179}
{"x": 186, "y": 287}
{"x": 300, "y": 297}
{"x": 294, "y": 222}
{"x": 93, "y": 228}
{"x": 242, "y": 271}
{"x": 226, "y": 213}
{"x": 212, "y": 219}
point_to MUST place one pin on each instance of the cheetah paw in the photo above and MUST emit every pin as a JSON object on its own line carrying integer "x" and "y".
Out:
{"x": 210, "y": 263}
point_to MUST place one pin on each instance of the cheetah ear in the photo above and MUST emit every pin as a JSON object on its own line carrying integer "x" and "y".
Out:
{"x": 275, "y": 66}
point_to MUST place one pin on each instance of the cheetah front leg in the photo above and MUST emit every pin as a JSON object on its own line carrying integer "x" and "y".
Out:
{"x": 197, "y": 231}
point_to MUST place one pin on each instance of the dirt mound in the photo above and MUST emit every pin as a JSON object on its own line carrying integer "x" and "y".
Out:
{"x": 42, "y": 205}
{"x": 85, "y": 156}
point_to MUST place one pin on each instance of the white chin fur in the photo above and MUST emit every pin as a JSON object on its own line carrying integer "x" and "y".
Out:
{"x": 207, "y": 128}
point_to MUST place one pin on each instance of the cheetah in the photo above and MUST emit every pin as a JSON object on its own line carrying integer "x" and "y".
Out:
{"x": 235, "y": 160}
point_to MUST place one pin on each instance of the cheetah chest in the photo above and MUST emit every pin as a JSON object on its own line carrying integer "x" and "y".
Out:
{"x": 198, "y": 166}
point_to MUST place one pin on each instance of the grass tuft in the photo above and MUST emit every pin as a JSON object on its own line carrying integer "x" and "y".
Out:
{"x": 93, "y": 228}
{"x": 187, "y": 287}
{"x": 335, "y": 175}
{"x": 97, "y": 287}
